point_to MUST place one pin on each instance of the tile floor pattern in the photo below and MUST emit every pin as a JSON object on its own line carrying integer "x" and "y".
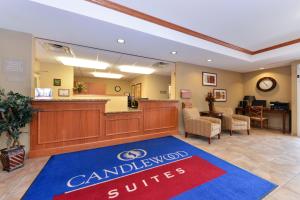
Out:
{"x": 268, "y": 154}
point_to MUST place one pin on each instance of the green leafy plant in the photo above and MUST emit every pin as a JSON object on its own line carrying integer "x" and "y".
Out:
{"x": 15, "y": 113}
{"x": 79, "y": 87}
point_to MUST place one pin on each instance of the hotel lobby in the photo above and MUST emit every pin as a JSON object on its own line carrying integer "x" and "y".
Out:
{"x": 110, "y": 99}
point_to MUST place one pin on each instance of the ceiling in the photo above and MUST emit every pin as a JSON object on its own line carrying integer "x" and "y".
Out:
{"x": 246, "y": 24}
{"x": 250, "y": 24}
{"x": 44, "y": 54}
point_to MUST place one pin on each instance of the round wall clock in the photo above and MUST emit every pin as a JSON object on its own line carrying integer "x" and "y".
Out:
{"x": 117, "y": 88}
{"x": 266, "y": 84}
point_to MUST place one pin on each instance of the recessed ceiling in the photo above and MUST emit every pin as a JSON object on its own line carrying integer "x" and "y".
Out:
{"x": 252, "y": 24}
{"x": 46, "y": 55}
{"x": 88, "y": 24}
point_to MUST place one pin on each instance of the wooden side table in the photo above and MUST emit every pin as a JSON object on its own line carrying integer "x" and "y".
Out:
{"x": 218, "y": 115}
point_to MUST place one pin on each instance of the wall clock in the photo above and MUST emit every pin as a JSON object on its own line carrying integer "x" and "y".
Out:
{"x": 266, "y": 84}
{"x": 117, "y": 88}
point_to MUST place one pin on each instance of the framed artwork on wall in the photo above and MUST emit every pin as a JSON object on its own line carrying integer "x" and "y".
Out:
{"x": 63, "y": 92}
{"x": 209, "y": 79}
{"x": 220, "y": 95}
{"x": 185, "y": 94}
{"x": 57, "y": 82}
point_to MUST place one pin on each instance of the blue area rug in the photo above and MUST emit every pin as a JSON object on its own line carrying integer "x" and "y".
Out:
{"x": 163, "y": 168}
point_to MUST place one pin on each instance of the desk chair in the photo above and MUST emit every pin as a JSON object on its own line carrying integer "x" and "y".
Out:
{"x": 256, "y": 115}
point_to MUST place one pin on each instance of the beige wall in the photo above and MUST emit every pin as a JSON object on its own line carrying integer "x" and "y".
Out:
{"x": 50, "y": 71}
{"x": 189, "y": 76}
{"x": 295, "y": 102}
{"x": 281, "y": 93}
{"x": 115, "y": 103}
{"x": 109, "y": 84}
{"x": 153, "y": 85}
{"x": 16, "y": 46}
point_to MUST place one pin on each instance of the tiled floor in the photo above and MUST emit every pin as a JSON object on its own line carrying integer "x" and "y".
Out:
{"x": 268, "y": 154}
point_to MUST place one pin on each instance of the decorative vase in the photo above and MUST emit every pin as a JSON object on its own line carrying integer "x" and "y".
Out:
{"x": 210, "y": 99}
{"x": 211, "y": 106}
{"x": 12, "y": 158}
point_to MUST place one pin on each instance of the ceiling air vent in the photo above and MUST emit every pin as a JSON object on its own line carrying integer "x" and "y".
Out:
{"x": 57, "y": 48}
{"x": 160, "y": 64}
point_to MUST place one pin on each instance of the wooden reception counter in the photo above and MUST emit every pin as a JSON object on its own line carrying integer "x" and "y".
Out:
{"x": 71, "y": 125}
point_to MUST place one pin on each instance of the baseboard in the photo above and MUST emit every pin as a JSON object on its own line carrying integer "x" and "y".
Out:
{"x": 103, "y": 143}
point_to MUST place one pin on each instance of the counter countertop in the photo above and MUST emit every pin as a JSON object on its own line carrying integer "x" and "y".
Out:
{"x": 166, "y": 100}
{"x": 70, "y": 100}
{"x": 123, "y": 111}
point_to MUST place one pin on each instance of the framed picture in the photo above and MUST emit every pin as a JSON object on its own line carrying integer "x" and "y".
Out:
{"x": 63, "y": 92}
{"x": 209, "y": 79}
{"x": 57, "y": 82}
{"x": 220, "y": 95}
{"x": 185, "y": 94}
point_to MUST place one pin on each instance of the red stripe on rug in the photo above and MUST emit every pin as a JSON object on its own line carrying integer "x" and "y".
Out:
{"x": 162, "y": 182}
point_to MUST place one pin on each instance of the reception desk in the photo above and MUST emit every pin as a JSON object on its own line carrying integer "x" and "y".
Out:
{"x": 70, "y": 125}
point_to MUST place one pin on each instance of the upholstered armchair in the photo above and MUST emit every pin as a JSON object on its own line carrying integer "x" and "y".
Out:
{"x": 233, "y": 122}
{"x": 204, "y": 126}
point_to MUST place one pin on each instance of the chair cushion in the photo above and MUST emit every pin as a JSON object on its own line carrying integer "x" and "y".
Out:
{"x": 239, "y": 122}
{"x": 258, "y": 118}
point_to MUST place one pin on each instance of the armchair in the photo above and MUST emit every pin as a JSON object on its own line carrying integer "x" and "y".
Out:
{"x": 233, "y": 122}
{"x": 204, "y": 126}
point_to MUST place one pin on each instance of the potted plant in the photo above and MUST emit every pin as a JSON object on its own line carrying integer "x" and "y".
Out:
{"x": 15, "y": 113}
{"x": 79, "y": 87}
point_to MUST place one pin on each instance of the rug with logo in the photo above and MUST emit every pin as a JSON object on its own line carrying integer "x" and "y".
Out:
{"x": 163, "y": 168}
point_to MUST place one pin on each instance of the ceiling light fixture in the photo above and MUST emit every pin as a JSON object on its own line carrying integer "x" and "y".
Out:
{"x": 107, "y": 75}
{"x": 136, "y": 69}
{"x": 121, "y": 41}
{"x": 209, "y": 60}
{"x": 84, "y": 63}
{"x": 173, "y": 52}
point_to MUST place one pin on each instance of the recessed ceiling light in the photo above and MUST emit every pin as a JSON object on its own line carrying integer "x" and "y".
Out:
{"x": 121, "y": 41}
{"x": 261, "y": 68}
{"x": 136, "y": 69}
{"x": 209, "y": 60}
{"x": 173, "y": 52}
{"x": 107, "y": 75}
{"x": 84, "y": 63}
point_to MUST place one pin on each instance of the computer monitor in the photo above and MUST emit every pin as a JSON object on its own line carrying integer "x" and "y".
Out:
{"x": 250, "y": 99}
{"x": 259, "y": 103}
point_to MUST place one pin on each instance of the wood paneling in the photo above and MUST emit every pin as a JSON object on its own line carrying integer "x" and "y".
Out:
{"x": 277, "y": 46}
{"x": 123, "y": 124}
{"x": 66, "y": 126}
{"x": 159, "y": 116}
